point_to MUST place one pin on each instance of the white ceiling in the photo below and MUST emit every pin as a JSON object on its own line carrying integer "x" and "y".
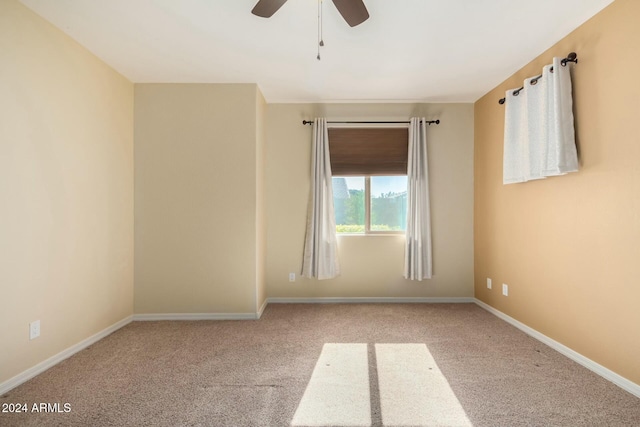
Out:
{"x": 408, "y": 50}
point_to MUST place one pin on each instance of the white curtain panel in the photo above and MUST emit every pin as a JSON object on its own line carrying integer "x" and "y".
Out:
{"x": 525, "y": 131}
{"x": 515, "y": 138}
{"x": 561, "y": 153}
{"x": 538, "y": 132}
{"x": 533, "y": 144}
{"x": 320, "y": 259}
{"x": 417, "y": 257}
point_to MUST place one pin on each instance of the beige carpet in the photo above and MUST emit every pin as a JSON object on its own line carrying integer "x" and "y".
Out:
{"x": 256, "y": 373}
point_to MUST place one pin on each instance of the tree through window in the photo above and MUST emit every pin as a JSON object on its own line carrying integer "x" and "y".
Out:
{"x": 370, "y": 204}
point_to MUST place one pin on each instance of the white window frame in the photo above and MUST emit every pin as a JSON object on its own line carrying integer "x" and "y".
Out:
{"x": 367, "y": 178}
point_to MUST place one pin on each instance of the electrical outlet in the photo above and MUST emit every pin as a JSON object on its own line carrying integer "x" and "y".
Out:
{"x": 488, "y": 283}
{"x": 505, "y": 289}
{"x": 292, "y": 277}
{"x": 34, "y": 329}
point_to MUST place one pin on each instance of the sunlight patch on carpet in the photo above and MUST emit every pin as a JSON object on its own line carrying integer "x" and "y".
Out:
{"x": 413, "y": 391}
{"x": 338, "y": 391}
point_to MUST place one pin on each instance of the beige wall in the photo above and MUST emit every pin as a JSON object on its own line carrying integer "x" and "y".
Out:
{"x": 371, "y": 265}
{"x": 221, "y": 192}
{"x": 569, "y": 246}
{"x": 66, "y": 191}
{"x": 196, "y": 198}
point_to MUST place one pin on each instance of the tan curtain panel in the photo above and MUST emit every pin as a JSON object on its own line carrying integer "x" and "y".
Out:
{"x": 375, "y": 151}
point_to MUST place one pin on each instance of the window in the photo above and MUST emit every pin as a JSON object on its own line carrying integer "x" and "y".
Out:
{"x": 369, "y": 167}
{"x": 370, "y": 204}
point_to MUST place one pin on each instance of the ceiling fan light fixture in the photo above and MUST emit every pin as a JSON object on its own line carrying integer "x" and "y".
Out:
{"x": 354, "y": 12}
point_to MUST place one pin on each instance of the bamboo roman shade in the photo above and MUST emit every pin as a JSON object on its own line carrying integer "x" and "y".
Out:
{"x": 381, "y": 151}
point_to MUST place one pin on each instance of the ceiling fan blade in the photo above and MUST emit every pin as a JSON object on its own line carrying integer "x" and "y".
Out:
{"x": 353, "y": 11}
{"x": 266, "y": 8}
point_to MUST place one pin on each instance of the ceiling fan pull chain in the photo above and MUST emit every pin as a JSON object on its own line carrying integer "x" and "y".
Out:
{"x": 321, "y": 22}
{"x": 320, "y": 41}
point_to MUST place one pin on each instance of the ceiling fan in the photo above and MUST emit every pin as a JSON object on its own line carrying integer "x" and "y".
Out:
{"x": 353, "y": 11}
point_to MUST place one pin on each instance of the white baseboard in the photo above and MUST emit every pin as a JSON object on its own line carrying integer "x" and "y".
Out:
{"x": 366, "y": 300}
{"x": 65, "y": 354}
{"x": 319, "y": 300}
{"x": 607, "y": 374}
{"x": 194, "y": 316}
{"x": 261, "y": 309}
{"x": 619, "y": 380}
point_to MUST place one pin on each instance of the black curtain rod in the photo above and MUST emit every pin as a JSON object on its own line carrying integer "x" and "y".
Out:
{"x": 429, "y": 122}
{"x": 572, "y": 57}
